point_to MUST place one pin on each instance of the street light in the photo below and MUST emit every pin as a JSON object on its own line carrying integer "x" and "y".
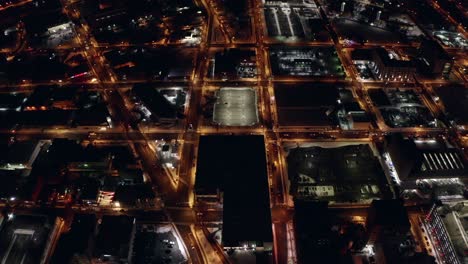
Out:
{"x": 10, "y": 216}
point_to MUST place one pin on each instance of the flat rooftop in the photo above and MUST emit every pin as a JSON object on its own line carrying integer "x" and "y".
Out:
{"x": 312, "y": 223}
{"x": 154, "y": 100}
{"x": 349, "y": 173}
{"x": 360, "y": 32}
{"x": 23, "y": 238}
{"x": 389, "y": 213}
{"x": 402, "y": 108}
{"x": 140, "y": 22}
{"x": 114, "y": 236}
{"x": 294, "y": 21}
{"x": 76, "y": 240}
{"x": 305, "y": 104}
{"x": 11, "y": 101}
{"x": 12, "y": 184}
{"x": 152, "y": 63}
{"x": 233, "y": 64}
{"x": 236, "y": 107}
{"x": 455, "y": 100}
{"x": 428, "y": 158}
{"x": 19, "y": 152}
{"x": 456, "y": 224}
{"x": 237, "y": 166}
{"x": 305, "y": 62}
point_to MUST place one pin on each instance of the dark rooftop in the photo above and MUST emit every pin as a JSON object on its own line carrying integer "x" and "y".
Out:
{"x": 11, "y": 183}
{"x": 114, "y": 236}
{"x": 236, "y": 165}
{"x": 11, "y": 101}
{"x": 348, "y": 168}
{"x": 306, "y": 104}
{"x": 431, "y": 159}
{"x": 76, "y": 240}
{"x": 314, "y": 238}
{"x": 379, "y": 97}
{"x": 389, "y": 62}
{"x": 154, "y": 101}
{"x": 389, "y": 213}
{"x": 432, "y": 47}
{"x": 455, "y": 99}
{"x": 361, "y": 54}
{"x": 18, "y": 152}
{"x": 24, "y": 248}
{"x": 93, "y": 116}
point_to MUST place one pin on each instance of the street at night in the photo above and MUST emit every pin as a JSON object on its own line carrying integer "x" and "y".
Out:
{"x": 233, "y": 131}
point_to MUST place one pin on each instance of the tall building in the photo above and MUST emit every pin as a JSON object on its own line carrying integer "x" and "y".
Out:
{"x": 434, "y": 60}
{"x": 388, "y": 226}
{"x": 387, "y": 220}
{"x": 388, "y": 68}
{"x": 312, "y": 223}
{"x": 451, "y": 239}
{"x": 238, "y": 184}
{"x": 417, "y": 160}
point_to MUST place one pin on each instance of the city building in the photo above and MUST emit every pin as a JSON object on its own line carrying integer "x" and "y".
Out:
{"x": 291, "y": 21}
{"x": 64, "y": 107}
{"x": 454, "y": 99}
{"x": 387, "y": 219}
{"x": 319, "y": 105}
{"x": 312, "y": 225}
{"x": 389, "y": 68}
{"x": 447, "y": 228}
{"x": 233, "y": 131}
{"x": 12, "y": 101}
{"x": 19, "y": 155}
{"x": 400, "y": 108}
{"x": 388, "y": 227}
{"x": 427, "y": 165}
{"x": 92, "y": 175}
{"x": 434, "y": 61}
{"x": 301, "y": 62}
{"x": 49, "y": 29}
{"x": 147, "y": 64}
{"x": 159, "y": 105}
{"x": 28, "y": 238}
{"x": 451, "y": 39}
{"x": 345, "y": 174}
{"x": 354, "y": 117}
{"x": 231, "y": 64}
{"x": 113, "y": 237}
{"x": 232, "y": 168}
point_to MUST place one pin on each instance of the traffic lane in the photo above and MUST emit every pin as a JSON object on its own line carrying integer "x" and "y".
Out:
{"x": 192, "y": 247}
{"x": 281, "y": 247}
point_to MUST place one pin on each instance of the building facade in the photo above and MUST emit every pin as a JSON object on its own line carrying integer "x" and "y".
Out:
{"x": 388, "y": 68}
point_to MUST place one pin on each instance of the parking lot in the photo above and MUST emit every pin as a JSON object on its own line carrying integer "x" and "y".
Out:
{"x": 236, "y": 107}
